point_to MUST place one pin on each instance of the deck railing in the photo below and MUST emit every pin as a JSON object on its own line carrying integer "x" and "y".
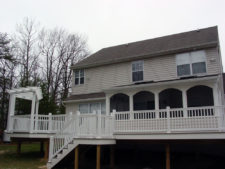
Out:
{"x": 168, "y": 120}
{"x": 42, "y": 123}
{"x": 79, "y": 125}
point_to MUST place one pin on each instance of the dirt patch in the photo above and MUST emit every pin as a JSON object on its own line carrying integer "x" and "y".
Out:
{"x": 42, "y": 167}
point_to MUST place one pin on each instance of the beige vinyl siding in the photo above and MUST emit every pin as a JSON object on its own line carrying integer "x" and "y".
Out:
{"x": 213, "y": 61}
{"x": 155, "y": 69}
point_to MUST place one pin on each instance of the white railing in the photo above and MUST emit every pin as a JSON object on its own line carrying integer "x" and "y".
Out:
{"x": 171, "y": 120}
{"x": 20, "y": 123}
{"x": 42, "y": 123}
{"x": 81, "y": 126}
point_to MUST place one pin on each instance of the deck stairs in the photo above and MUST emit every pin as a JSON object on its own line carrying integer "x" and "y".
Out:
{"x": 63, "y": 153}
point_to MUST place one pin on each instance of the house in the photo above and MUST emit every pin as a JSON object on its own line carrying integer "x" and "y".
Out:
{"x": 160, "y": 90}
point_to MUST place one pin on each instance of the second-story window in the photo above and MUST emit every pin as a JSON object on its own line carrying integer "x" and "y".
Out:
{"x": 79, "y": 77}
{"x": 137, "y": 71}
{"x": 191, "y": 63}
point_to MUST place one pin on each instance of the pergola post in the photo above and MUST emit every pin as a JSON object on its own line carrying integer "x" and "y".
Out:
{"x": 11, "y": 112}
{"x": 32, "y": 114}
{"x": 36, "y": 116}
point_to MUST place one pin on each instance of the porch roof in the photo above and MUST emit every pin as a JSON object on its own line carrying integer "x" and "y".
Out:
{"x": 91, "y": 96}
{"x": 147, "y": 84}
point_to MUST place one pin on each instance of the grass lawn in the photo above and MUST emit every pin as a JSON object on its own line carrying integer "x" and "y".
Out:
{"x": 30, "y": 157}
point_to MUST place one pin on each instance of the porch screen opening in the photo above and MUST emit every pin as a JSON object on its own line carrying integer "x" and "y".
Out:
{"x": 119, "y": 102}
{"x": 171, "y": 98}
{"x": 199, "y": 96}
{"x": 144, "y": 100}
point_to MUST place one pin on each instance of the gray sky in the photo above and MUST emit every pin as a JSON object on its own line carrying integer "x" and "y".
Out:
{"x": 113, "y": 22}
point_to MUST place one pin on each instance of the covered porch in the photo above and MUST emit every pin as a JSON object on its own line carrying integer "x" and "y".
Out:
{"x": 184, "y": 105}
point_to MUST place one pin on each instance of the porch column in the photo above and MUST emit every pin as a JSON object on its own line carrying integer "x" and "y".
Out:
{"x": 76, "y": 160}
{"x": 184, "y": 98}
{"x": 107, "y": 104}
{"x": 11, "y": 112}
{"x": 215, "y": 95}
{"x": 131, "y": 105}
{"x": 156, "y": 94}
{"x": 32, "y": 114}
{"x": 167, "y": 156}
{"x": 98, "y": 157}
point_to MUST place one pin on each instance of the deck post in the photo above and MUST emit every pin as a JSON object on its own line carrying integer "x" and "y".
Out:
{"x": 98, "y": 159}
{"x": 19, "y": 147}
{"x": 167, "y": 156}
{"x": 46, "y": 150}
{"x": 77, "y": 125}
{"x": 42, "y": 147}
{"x": 76, "y": 158}
{"x": 112, "y": 157}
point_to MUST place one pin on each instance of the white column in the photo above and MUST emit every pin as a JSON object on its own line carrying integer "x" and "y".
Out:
{"x": 11, "y": 112}
{"x": 32, "y": 114}
{"x": 156, "y": 94}
{"x": 131, "y": 103}
{"x": 184, "y": 98}
{"x": 107, "y": 104}
{"x": 36, "y": 116}
{"x": 215, "y": 95}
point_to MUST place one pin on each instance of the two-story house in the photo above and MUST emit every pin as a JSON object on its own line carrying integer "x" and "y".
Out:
{"x": 163, "y": 89}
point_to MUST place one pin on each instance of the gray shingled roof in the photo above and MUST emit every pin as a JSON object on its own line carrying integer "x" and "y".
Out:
{"x": 197, "y": 39}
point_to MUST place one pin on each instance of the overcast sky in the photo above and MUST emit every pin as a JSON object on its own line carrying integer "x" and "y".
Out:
{"x": 113, "y": 22}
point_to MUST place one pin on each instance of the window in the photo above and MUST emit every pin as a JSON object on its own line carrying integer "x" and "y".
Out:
{"x": 79, "y": 77}
{"x": 137, "y": 71}
{"x": 86, "y": 108}
{"x": 191, "y": 63}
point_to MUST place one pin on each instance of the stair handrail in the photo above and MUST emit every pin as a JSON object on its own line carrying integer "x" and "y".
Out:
{"x": 63, "y": 137}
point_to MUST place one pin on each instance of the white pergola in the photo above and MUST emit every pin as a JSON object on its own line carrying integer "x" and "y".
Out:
{"x": 29, "y": 93}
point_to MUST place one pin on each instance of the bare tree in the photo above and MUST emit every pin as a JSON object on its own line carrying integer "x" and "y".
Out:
{"x": 59, "y": 50}
{"x": 27, "y": 53}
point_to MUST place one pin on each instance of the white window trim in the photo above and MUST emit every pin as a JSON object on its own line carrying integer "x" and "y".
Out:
{"x": 137, "y": 71}
{"x": 78, "y": 77}
{"x": 190, "y": 64}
